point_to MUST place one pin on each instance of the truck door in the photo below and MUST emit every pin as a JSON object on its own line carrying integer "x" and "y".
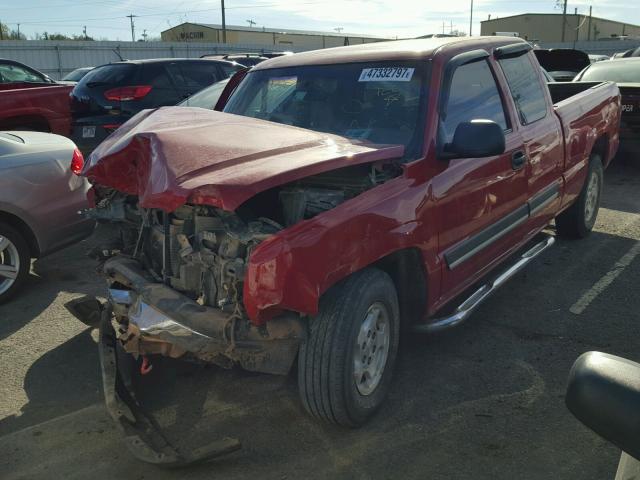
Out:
{"x": 540, "y": 130}
{"x": 481, "y": 202}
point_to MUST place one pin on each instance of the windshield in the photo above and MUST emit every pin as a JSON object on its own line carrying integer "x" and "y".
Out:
{"x": 76, "y": 75}
{"x": 381, "y": 102}
{"x": 623, "y": 71}
{"x": 206, "y": 98}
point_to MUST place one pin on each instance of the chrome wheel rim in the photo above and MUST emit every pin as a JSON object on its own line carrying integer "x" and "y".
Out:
{"x": 371, "y": 350}
{"x": 9, "y": 264}
{"x": 591, "y": 201}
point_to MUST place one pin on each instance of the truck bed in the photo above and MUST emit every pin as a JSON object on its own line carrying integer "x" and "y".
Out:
{"x": 36, "y": 107}
{"x": 587, "y": 111}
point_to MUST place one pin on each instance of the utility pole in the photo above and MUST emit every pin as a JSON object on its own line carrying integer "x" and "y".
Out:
{"x": 144, "y": 35}
{"x": 589, "y": 32}
{"x": 251, "y": 23}
{"x": 84, "y": 32}
{"x": 224, "y": 25}
{"x": 133, "y": 27}
{"x": 471, "y": 20}
{"x": 564, "y": 19}
{"x": 19, "y": 31}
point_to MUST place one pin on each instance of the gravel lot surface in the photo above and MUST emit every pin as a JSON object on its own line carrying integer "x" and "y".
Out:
{"x": 484, "y": 401}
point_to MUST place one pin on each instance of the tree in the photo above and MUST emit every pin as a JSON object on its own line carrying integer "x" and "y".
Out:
{"x": 9, "y": 34}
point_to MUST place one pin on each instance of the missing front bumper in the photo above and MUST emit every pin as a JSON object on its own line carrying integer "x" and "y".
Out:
{"x": 161, "y": 314}
{"x": 143, "y": 437}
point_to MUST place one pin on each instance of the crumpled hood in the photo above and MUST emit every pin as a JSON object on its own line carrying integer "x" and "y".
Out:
{"x": 174, "y": 155}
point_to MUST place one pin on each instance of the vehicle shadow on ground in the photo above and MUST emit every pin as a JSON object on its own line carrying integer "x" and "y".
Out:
{"x": 622, "y": 173}
{"x": 63, "y": 271}
{"x": 61, "y": 381}
{"x": 35, "y": 298}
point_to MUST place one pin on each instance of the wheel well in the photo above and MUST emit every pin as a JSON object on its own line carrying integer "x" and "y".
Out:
{"x": 406, "y": 269}
{"x": 601, "y": 147}
{"x": 25, "y": 231}
{"x": 33, "y": 122}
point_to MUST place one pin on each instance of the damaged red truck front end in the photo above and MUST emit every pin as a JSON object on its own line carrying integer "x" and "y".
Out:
{"x": 220, "y": 215}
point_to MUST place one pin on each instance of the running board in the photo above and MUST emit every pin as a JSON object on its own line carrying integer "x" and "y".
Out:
{"x": 466, "y": 308}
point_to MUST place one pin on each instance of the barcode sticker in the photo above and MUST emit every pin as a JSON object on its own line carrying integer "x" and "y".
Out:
{"x": 386, "y": 74}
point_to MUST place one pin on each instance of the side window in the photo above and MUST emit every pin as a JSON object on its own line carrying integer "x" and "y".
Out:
{"x": 15, "y": 73}
{"x": 195, "y": 75}
{"x": 230, "y": 69}
{"x": 525, "y": 88}
{"x": 473, "y": 95}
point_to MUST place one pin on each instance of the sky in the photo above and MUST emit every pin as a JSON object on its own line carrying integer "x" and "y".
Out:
{"x": 106, "y": 19}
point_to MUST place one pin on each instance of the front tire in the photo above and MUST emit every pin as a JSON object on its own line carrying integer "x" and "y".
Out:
{"x": 346, "y": 364}
{"x": 15, "y": 261}
{"x": 578, "y": 220}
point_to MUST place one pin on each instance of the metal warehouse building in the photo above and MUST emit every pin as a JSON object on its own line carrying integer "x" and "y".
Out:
{"x": 547, "y": 27}
{"x": 283, "y": 39}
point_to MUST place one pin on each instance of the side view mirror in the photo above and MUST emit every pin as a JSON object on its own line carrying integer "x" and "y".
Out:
{"x": 604, "y": 394}
{"x": 477, "y": 138}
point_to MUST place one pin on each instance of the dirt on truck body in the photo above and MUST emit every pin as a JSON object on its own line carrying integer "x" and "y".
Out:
{"x": 338, "y": 194}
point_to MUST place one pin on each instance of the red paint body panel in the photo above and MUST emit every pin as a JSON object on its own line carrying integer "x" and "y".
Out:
{"x": 434, "y": 206}
{"x": 25, "y": 103}
{"x": 175, "y": 155}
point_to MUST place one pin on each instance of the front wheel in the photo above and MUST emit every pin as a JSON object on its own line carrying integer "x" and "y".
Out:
{"x": 346, "y": 363}
{"x": 578, "y": 220}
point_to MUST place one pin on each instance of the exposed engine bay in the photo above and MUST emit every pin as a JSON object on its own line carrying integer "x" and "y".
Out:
{"x": 202, "y": 252}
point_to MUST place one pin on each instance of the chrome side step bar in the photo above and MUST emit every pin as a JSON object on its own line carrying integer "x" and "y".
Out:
{"x": 466, "y": 308}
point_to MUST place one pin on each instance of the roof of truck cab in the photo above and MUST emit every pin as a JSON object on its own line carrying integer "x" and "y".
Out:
{"x": 379, "y": 51}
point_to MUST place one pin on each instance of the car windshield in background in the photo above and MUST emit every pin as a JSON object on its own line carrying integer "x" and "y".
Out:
{"x": 623, "y": 71}
{"x": 76, "y": 75}
{"x": 378, "y": 102}
{"x": 206, "y": 98}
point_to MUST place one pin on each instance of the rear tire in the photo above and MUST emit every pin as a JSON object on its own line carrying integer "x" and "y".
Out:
{"x": 578, "y": 220}
{"x": 15, "y": 262}
{"x": 345, "y": 366}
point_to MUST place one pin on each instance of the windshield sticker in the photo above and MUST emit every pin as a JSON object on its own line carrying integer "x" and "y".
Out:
{"x": 386, "y": 74}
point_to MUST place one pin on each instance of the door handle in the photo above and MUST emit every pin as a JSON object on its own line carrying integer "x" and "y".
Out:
{"x": 518, "y": 159}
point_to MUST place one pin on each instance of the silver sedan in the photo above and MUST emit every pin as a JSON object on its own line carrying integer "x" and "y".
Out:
{"x": 40, "y": 201}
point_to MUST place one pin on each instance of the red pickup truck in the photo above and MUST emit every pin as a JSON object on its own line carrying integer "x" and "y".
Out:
{"x": 342, "y": 195}
{"x": 35, "y": 106}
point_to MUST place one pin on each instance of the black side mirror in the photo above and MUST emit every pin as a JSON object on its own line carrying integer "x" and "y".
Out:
{"x": 475, "y": 139}
{"x": 604, "y": 394}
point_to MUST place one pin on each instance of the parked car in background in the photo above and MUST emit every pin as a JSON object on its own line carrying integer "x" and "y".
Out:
{"x": 244, "y": 59}
{"x": 626, "y": 73}
{"x": 633, "y": 52}
{"x": 76, "y": 75}
{"x": 207, "y": 97}
{"x": 598, "y": 58}
{"x": 41, "y": 196}
{"x": 340, "y": 194}
{"x": 562, "y": 63}
{"x": 19, "y": 74}
{"x": 109, "y": 95}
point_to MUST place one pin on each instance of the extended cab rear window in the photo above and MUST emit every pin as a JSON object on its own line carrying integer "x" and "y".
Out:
{"x": 376, "y": 102}
{"x": 526, "y": 89}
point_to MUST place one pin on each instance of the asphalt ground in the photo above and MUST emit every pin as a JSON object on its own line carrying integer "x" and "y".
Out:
{"x": 483, "y": 401}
